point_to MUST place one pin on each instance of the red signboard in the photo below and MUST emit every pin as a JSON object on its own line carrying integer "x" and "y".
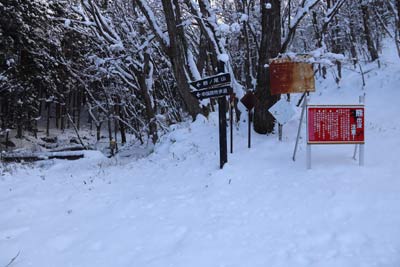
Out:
{"x": 335, "y": 124}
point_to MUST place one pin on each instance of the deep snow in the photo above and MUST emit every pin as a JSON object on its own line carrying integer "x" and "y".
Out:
{"x": 176, "y": 208}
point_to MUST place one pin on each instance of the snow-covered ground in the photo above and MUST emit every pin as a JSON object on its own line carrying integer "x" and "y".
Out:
{"x": 176, "y": 208}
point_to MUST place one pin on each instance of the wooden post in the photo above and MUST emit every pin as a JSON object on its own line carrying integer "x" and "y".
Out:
{"x": 48, "y": 119}
{"x": 223, "y": 155}
{"x": 249, "y": 129}
{"x": 231, "y": 103}
{"x": 7, "y": 138}
{"x": 112, "y": 147}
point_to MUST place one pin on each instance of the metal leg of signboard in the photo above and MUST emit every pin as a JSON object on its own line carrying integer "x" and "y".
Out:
{"x": 355, "y": 152}
{"x": 361, "y": 155}
{"x": 299, "y": 130}
{"x": 308, "y": 156}
{"x": 249, "y": 130}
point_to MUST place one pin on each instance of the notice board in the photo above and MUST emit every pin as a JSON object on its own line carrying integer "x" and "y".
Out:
{"x": 287, "y": 77}
{"x": 342, "y": 124}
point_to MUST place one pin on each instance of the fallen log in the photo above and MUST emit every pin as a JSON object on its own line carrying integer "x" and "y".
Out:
{"x": 68, "y": 148}
{"x": 30, "y": 157}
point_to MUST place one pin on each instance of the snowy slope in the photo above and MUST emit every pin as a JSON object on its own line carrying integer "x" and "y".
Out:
{"x": 176, "y": 208}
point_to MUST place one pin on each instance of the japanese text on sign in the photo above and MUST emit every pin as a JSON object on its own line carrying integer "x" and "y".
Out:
{"x": 213, "y": 92}
{"x": 211, "y": 81}
{"x": 335, "y": 124}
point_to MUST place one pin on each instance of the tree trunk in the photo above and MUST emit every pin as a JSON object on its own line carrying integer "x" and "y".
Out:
{"x": 19, "y": 130}
{"x": 353, "y": 49}
{"x": 176, "y": 52}
{"x": 48, "y": 104}
{"x": 269, "y": 48}
{"x": 146, "y": 95}
{"x": 367, "y": 32}
{"x": 98, "y": 131}
{"x": 63, "y": 117}
{"x": 4, "y": 112}
{"x": 202, "y": 58}
{"x": 247, "y": 62}
{"x": 121, "y": 125}
{"x": 58, "y": 115}
{"x": 397, "y": 34}
{"x": 79, "y": 104}
{"x": 398, "y": 16}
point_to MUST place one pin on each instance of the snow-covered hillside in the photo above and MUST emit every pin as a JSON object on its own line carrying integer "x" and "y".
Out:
{"x": 177, "y": 208}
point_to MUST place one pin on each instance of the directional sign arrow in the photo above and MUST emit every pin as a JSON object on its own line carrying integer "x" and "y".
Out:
{"x": 213, "y": 92}
{"x": 212, "y": 81}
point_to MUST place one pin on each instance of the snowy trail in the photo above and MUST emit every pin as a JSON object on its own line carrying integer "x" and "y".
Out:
{"x": 176, "y": 208}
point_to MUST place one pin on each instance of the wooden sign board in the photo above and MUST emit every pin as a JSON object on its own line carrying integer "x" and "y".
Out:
{"x": 249, "y": 100}
{"x": 213, "y": 92}
{"x": 342, "y": 124}
{"x": 212, "y": 81}
{"x": 287, "y": 77}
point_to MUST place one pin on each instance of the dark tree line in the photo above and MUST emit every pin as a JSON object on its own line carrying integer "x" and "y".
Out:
{"x": 126, "y": 65}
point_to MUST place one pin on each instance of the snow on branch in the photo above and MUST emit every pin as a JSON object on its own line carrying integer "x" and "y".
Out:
{"x": 148, "y": 13}
{"x": 209, "y": 26}
{"x": 103, "y": 27}
{"x": 301, "y": 12}
{"x": 317, "y": 56}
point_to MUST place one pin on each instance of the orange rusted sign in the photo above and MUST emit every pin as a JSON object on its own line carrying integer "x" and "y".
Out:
{"x": 289, "y": 77}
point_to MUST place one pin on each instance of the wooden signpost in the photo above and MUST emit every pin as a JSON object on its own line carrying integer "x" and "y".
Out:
{"x": 289, "y": 76}
{"x": 209, "y": 82}
{"x": 217, "y": 86}
{"x": 213, "y": 92}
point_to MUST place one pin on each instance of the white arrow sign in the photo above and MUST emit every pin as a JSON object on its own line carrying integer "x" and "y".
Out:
{"x": 282, "y": 111}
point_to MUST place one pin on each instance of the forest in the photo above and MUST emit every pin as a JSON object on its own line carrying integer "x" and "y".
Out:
{"x": 117, "y": 149}
{"x": 124, "y": 67}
